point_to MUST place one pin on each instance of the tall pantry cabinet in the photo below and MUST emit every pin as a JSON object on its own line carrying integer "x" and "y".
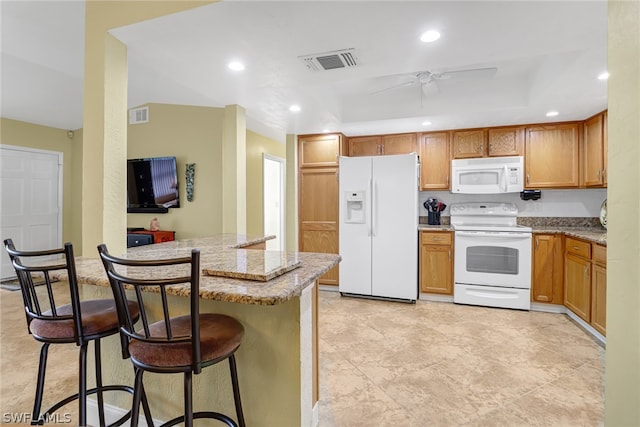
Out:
{"x": 318, "y": 208}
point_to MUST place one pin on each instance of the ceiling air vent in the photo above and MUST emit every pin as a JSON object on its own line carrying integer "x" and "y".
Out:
{"x": 138, "y": 115}
{"x": 343, "y": 58}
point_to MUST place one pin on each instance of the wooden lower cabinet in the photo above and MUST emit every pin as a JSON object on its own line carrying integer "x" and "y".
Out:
{"x": 586, "y": 282}
{"x": 547, "y": 282}
{"x": 436, "y": 262}
{"x": 577, "y": 286}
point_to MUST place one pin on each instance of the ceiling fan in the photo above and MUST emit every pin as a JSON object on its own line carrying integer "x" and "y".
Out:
{"x": 426, "y": 80}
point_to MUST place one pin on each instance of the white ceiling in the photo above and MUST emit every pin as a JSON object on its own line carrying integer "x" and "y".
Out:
{"x": 547, "y": 54}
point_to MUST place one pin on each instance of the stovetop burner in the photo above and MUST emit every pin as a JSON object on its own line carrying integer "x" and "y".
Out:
{"x": 486, "y": 216}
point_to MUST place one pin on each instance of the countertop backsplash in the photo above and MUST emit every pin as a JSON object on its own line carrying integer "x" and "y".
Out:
{"x": 579, "y": 203}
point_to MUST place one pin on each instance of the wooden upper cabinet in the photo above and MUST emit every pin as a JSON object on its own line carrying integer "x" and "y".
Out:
{"x": 435, "y": 161}
{"x": 399, "y": 144}
{"x": 365, "y": 145}
{"x": 469, "y": 143}
{"x": 551, "y": 156}
{"x": 319, "y": 150}
{"x": 507, "y": 141}
{"x": 594, "y": 170}
{"x": 377, "y": 145}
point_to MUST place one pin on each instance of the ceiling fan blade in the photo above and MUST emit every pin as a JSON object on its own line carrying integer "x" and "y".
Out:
{"x": 473, "y": 73}
{"x": 405, "y": 84}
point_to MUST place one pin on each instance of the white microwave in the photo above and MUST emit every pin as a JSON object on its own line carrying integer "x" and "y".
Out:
{"x": 487, "y": 175}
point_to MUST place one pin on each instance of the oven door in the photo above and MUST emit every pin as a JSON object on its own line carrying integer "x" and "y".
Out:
{"x": 493, "y": 258}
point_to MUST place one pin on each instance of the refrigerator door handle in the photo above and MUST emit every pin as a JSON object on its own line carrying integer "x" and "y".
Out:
{"x": 373, "y": 208}
{"x": 370, "y": 228}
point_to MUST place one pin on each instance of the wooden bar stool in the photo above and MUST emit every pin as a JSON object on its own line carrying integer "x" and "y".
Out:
{"x": 185, "y": 343}
{"x": 78, "y": 322}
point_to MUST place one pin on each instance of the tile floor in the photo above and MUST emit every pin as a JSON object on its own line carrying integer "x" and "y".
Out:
{"x": 392, "y": 364}
{"x": 439, "y": 364}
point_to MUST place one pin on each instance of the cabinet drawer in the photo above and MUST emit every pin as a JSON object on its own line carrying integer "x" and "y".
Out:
{"x": 578, "y": 247}
{"x": 599, "y": 254}
{"x": 438, "y": 238}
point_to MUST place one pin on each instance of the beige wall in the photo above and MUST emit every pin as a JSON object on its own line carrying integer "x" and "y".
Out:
{"x": 24, "y": 134}
{"x": 256, "y": 146}
{"x": 192, "y": 135}
{"x": 622, "y": 373}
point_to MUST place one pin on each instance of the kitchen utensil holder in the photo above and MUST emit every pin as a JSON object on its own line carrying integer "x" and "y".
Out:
{"x": 434, "y": 218}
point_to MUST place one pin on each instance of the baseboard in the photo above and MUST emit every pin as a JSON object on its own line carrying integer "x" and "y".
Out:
{"x": 315, "y": 415}
{"x": 548, "y": 308}
{"x": 596, "y": 335}
{"x": 112, "y": 414}
{"x": 329, "y": 288}
{"x": 436, "y": 297}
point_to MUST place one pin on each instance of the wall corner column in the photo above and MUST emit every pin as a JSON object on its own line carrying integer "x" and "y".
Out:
{"x": 234, "y": 170}
{"x": 292, "y": 193}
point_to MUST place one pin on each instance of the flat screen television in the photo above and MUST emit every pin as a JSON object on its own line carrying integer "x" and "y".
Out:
{"x": 152, "y": 184}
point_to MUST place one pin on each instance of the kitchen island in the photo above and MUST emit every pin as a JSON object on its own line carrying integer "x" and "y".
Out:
{"x": 278, "y": 359}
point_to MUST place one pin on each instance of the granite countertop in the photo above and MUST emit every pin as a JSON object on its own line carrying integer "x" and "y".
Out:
{"x": 226, "y": 249}
{"x": 442, "y": 227}
{"x": 591, "y": 234}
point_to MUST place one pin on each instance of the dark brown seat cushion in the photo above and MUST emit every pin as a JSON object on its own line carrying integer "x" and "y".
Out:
{"x": 220, "y": 336}
{"x": 98, "y": 316}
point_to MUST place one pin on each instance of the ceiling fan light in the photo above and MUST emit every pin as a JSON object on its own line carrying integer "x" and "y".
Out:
{"x": 430, "y": 36}
{"x": 236, "y": 66}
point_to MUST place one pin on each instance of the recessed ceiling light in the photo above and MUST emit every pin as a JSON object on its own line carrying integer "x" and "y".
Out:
{"x": 325, "y": 131}
{"x": 294, "y": 108}
{"x": 430, "y": 36}
{"x": 236, "y": 66}
{"x": 552, "y": 113}
{"x": 603, "y": 76}
{"x": 426, "y": 123}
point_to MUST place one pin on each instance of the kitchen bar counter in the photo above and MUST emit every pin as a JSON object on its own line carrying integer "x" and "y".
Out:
{"x": 221, "y": 250}
{"x": 278, "y": 359}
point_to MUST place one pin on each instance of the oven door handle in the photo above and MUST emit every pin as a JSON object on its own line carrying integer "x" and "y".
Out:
{"x": 493, "y": 234}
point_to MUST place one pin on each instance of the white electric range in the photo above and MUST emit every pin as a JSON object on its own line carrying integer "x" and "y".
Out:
{"x": 492, "y": 256}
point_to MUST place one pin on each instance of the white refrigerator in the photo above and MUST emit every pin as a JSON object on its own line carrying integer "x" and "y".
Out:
{"x": 379, "y": 226}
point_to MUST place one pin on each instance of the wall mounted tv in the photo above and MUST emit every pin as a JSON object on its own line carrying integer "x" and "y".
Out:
{"x": 152, "y": 185}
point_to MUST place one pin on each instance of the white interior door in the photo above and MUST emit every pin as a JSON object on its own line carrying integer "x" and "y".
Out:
{"x": 30, "y": 200}
{"x": 273, "y": 169}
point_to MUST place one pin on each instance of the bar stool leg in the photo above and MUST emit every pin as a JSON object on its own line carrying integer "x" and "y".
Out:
{"x": 137, "y": 391}
{"x": 82, "y": 386}
{"x": 99, "y": 383}
{"x": 188, "y": 400}
{"x": 42, "y": 367}
{"x": 145, "y": 406}
{"x": 236, "y": 390}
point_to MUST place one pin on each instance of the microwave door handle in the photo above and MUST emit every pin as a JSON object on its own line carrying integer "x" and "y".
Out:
{"x": 505, "y": 178}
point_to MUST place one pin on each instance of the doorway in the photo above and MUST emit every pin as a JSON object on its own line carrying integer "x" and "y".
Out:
{"x": 273, "y": 177}
{"x": 30, "y": 200}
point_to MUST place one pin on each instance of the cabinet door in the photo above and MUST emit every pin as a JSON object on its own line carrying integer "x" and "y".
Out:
{"x": 599, "y": 299}
{"x": 548, "y": 269}
{"x": 551, "y": 156}
{"x": 435, "y": 161}
{"x": 594, "y": 152}
{"x": 506, "y": 141}
{"x": 365, "y": 146}
{"x": 399, "y": 144}
{"x": 436, "y": 269}
{"x": 319, "y": 150}
{"x": 318, "y": 215}
{"x": 577, "y": 286}
{"x": 469, "y": 143}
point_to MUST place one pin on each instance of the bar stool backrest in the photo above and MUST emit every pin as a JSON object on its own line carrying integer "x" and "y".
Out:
{"x": 144, "y": 278}
{"x": 34, "y": 270}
